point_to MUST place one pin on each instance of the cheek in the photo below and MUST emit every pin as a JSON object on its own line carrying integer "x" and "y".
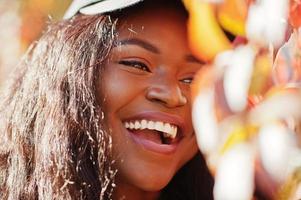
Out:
{"x": 188, "y": 107}
{"x": 117, "y": 90}
{"x": 190, "y": 150}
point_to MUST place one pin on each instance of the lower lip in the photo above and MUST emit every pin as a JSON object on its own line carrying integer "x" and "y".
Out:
{"x": 152, "y": 146}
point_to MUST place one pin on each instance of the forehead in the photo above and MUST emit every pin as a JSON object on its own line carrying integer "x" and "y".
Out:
{"x": 162, "y": 27}
{"x": 152, "y": 20}
{"x": 153, "y": 6}
{"x": 153, "y": 13}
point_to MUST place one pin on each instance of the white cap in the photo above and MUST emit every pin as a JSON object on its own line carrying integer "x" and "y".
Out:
{"x": 92, "y": 7}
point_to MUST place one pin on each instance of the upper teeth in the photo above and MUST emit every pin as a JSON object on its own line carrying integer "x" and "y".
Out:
{"x": 168, "y": 129}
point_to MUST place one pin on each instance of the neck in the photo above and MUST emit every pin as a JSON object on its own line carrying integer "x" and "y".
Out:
{"x": 125, "y": 191}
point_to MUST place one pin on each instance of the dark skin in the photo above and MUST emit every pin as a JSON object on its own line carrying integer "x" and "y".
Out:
{"x": 148, "y": 76}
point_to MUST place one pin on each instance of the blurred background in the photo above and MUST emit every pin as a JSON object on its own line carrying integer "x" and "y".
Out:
{"x": 21, "y": 23}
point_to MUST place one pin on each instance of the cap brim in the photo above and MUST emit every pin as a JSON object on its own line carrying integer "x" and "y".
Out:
{"x": 92, "y": 7}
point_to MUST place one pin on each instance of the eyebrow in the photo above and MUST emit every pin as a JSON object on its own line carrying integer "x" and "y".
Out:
{"x": 191, "y": 58}
{"x": 149, "y": 47}
{"x": 140, "y": 43}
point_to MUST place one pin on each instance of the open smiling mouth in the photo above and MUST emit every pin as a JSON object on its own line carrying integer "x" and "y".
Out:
{"x": 158, "y": 136}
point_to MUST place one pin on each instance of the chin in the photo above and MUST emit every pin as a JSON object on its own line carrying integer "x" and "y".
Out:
{"x": 149, "y": 180}
{"x": 154, "y": 183}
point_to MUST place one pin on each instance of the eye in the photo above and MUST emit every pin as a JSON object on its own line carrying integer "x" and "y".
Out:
{"x": 135, "y": 64}
{"x": 187, "y": 80}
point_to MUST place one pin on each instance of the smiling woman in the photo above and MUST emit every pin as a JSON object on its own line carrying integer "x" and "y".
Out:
{"x": 100, "y": 108}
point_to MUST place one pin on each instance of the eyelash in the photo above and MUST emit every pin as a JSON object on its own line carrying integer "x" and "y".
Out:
{"x": 141, "y": 66}
{"x": 190, "y": 79}
{"x": 135, "y": 64}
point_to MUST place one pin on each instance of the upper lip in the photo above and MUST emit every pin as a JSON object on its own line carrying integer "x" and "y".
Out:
{"x": 161, "y": 116}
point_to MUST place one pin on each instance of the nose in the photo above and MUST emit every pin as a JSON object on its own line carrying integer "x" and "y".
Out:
{"x": 167, "y": 93}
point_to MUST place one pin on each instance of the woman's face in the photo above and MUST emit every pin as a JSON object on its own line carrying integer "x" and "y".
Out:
{"x": 146, "y": 93}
